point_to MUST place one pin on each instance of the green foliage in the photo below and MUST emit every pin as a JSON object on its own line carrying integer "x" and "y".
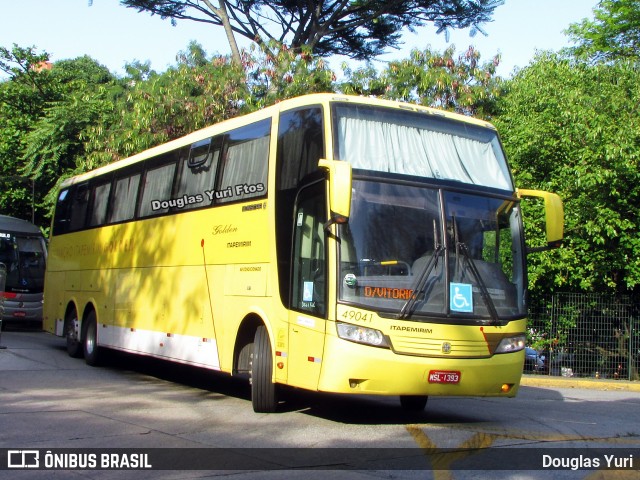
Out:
{"x": 197, "y": 92}
{"x": 54, "y": 147}
{"x": 26, "y": 99}
{"x": 614, "y": 33}
{"x": 462, "y": 84}
{"x": 154, "y": 108}
{"x": 575, "y": 129}
{"x": 287, "y": 74}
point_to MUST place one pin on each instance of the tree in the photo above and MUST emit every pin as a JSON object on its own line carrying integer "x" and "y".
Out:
{"x": 44, "y": 108}
{"x": 574, "y": 129}
{"x": 55, "y": 145}
{"x": 155, "y": 108}
{"x": 613, "y": 33}
{"x": 23, "y": 98}
{"x": 459, "y": 83}
{"x": 357, "y": 29}
{"x": 197, "y": 92}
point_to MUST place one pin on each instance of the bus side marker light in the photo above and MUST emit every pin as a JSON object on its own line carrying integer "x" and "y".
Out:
{"x": 280, "y": 365}
{"x": 506, "y": 387}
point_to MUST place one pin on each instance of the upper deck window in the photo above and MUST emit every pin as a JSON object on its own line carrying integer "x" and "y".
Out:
{"x": 419, "y": 144}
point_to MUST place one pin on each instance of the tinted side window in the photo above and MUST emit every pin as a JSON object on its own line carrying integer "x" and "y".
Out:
{"x": 99, "y": 204}
{"x": 61, "y": 217}
{"x": 300, "y": 145}
{"x": 123, "y": 204}
{"x": 79, "y": 207}
{"x": 157, "y": 187}
{"x": 198, "y": 170}
{"x": 246, "y": 162}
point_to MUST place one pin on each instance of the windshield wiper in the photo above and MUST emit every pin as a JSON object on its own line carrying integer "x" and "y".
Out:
{"x": 484, "y": 292}
{"x": 410, "y": 305}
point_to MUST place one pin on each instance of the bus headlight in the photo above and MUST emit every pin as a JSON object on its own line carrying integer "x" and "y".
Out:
{"x": 359, "y": 334}
{"x": 511, "y": 344}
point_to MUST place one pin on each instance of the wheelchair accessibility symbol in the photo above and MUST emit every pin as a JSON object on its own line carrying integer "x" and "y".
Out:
{"x": 460, "y": 297}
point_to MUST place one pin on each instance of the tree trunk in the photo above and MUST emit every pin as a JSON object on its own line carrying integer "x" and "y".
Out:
{"x": 221, "y": 12}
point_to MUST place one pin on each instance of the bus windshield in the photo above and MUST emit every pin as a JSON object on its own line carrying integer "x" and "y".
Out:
{"x": 419, "y": 144}
{"x": 415, "y": 251}
{"x": 24, "y": 258}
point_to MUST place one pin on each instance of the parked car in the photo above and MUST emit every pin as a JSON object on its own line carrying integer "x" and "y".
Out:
{"x": 534, "y": 362}
{"x": 562, "y": 364}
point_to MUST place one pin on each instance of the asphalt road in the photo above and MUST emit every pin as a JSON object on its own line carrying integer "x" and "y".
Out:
{"x": 50, "y": 402}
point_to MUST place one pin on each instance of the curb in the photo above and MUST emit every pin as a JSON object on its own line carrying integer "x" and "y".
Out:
{"x": 543, "y": 381}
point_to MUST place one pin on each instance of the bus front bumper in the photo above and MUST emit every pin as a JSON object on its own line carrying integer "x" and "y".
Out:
{"x": 22, "y": 311}
{"x": 361, "y": 369}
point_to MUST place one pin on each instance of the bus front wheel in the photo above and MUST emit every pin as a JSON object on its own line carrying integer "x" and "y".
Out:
{"x": 263, "y": 390}
{"x": 90, "y": 340}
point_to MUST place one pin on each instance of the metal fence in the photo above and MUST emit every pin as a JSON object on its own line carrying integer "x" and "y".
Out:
{"x": 584, "y": 335}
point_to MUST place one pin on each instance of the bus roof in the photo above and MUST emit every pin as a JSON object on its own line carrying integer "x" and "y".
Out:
{"x": 221, "y": 127}
{"x": 16, "y": 225}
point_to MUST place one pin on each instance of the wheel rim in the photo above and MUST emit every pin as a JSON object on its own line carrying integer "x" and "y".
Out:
{"x": 72, "y": 330}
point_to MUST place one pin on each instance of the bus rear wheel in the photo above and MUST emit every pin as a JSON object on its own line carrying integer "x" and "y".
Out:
{"x": 90, "y": 340}
{"x": 413, "y": 403}
{"x": 263, "y": 390}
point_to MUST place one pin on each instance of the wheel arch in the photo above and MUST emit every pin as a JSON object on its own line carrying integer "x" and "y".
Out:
{"x": 243, "y": 346}
{"x": 88, "y": 308}
{"x": 71, "y": 306}
{"x": 70, "y": 310}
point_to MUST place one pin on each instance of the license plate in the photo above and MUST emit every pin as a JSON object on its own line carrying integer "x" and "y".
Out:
{"x": 443, "y": 376}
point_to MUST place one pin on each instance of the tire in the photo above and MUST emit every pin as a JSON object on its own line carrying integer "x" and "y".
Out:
{"x": 263, "y": 390}
{"x": 71, "y": 333}
{"x": 413, "y": 403}
{"x": 90, "y": 340}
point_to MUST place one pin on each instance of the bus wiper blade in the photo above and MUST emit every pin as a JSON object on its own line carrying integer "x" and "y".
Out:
{"x": 486, "y": 296}
{"x": 409, "y": 307}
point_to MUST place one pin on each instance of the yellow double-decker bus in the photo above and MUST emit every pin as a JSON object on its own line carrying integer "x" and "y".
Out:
{"x": 330, "y": 243}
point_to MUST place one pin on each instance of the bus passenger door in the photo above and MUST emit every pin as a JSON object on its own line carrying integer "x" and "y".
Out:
{"x": 307, "y": 318}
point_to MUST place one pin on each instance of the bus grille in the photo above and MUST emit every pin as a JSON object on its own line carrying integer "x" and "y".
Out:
{"x": 432, "y": 347}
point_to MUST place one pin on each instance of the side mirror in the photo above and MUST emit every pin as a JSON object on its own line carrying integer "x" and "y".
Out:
{"x": 340, "y": 181}
{"x": 554, "y": 216}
